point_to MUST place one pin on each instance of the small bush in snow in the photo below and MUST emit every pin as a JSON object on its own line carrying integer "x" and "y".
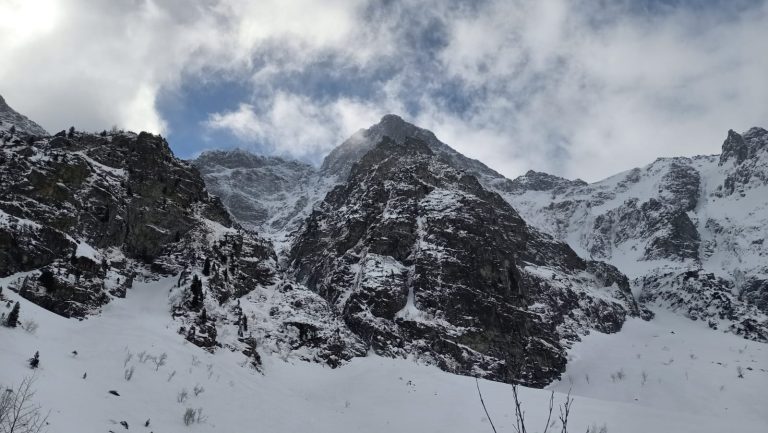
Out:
{"x": 739, "y": 372}
{"x": 198, "y": 389}
{"x": 182, "y": 396}
{"x": 170, "y": 376}
{"x": 160, "y": 361}
{"x": 127, "y": 359}
{"x": 643, "y": 377}
{"x": 128, "y": 373}
{"x": 192, "y": 416}
{"x": 34, "y": 362}
{"x": 189, "y": 416}
{"x": 618, "y": 376}
{"x": 29, "y": 326}
{"x": 143, "y": 356}
{"x": 520, "y": 426}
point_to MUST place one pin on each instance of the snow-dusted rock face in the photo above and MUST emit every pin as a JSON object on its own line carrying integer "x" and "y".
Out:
{"x": 421, "y": 259}
{"x": 83, "y": 216}
{"x": 270, "y": 195}
{"x": 93, "y": 209}
{"x": 11, "y": 120}
{"x": 707, "y": 215}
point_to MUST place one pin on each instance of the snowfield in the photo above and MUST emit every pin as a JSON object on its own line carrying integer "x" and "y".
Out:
{"x": 691, "y": 382}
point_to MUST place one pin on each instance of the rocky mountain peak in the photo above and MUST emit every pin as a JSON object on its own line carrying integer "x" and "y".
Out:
{"x": 742, "y": 147}
{"x": 10, "y": 118}
{"x": 240, "y": 159}
{"x": 421, "y": 259}
{"x": 538, "y": 181}
{"x": 340, "y": 160}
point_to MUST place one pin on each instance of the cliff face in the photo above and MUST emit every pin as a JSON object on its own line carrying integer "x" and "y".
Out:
{"x": 84, "y": 215}
{"x": 420, "y": 258}
{"x": 81, "y": 205}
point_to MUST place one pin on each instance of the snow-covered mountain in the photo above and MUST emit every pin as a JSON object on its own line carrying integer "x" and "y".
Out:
{"x": 229, "y": 285}
{"x": 421, "y": 259}
{"x": 690, "y": 232}
{"x": 274, "y": 196}
{"x": 84, "y": 216}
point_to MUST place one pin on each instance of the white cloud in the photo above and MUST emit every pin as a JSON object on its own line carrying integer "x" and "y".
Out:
{"x": 574, "y": 88}
{"x": 296, "y": 126}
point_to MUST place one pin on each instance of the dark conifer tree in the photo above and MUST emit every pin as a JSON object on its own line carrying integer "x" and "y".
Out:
{"x": 13, "y": 319}
{"x": 34, "y": 362}
{"x": 197, "y": 292}
{"x": 207, "y": 267}
{"x": 47, "y": 280}
{"x": 203, "y": 316}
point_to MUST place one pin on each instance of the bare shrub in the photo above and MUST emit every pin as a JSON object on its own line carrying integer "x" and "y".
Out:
{"x": 170, "y": 376}
{"x": 192, "y": 416}
{"x": 128, "y": 375}
{"x": 182, "y": 396}
{"x": 198, "y": 389}
{"x": 127, "y": 359}
{"x": 18, "y": 412}
{"x": 189, "y": 416}
{"x": 520, "y": 426}
{"x": 643, "y": 377}
{"x": 739, "y": 372}
{"x": 618, "y": 376}
{"x": 160, "y": 361}
{"x": 143, "y": 356}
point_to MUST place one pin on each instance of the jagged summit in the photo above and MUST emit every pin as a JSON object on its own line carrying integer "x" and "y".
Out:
{"x": 339, "y": 161}
{"x": 11, "y": 118}
{"x": 741, "y": 147}
{"x": 539, "y": 181}
{"x": 240, "y": 158}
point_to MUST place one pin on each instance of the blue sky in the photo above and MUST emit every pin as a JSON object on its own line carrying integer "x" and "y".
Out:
{"x": 576, "y": 88}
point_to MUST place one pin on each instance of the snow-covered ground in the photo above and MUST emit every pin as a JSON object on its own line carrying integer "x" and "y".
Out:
{"x": 691, "y": 385}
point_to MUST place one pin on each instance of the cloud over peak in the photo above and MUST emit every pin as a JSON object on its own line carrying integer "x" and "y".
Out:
{"x": 579, "y": 89}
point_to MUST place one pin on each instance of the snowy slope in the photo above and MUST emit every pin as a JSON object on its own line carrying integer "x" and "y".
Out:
{"x": 370, "y": 394}
{"x": 10, "y": 118}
